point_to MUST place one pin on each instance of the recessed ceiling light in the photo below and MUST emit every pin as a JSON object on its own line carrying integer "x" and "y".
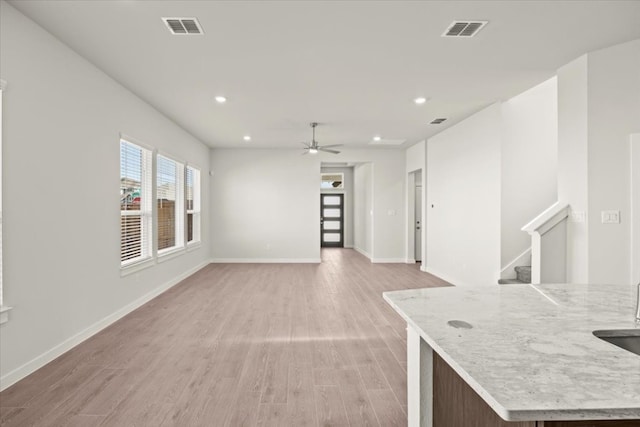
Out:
{"x": 247, "y": 138}
{"x": 377, "y": 138}
{"x": 221, "y": 99}
{"x": 420, "y": 100}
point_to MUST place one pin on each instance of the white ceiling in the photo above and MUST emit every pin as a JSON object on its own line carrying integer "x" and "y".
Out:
{"x": 355, "y": 66}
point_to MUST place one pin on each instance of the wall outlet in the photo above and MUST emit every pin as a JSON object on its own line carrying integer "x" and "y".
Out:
{"x": 610, "y": 217}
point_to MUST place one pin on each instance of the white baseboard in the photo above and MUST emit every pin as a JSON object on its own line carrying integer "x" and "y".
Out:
{"x": 348, "y": 246}
{"x": 21, "y": 372}
{"x": 266, "y": 260}
{"x": 508, "y": 271}
{"x": 362, "y": 252}
{"x": 410, "y": 261}
{"x": 388, "y": 260}
{"x": 445, "y": 277}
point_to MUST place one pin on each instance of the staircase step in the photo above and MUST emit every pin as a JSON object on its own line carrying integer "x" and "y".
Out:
{"x": 510, "y": 282}
{"x": 523, "y": 273}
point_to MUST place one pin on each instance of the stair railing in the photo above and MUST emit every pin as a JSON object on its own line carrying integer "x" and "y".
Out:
{"x": 548, "y": 233}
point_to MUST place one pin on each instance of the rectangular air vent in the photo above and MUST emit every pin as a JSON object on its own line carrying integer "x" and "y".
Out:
{"x": 437, "y": 121}
{"x": 183, "y": 26}
{"x": 464, "y": 28}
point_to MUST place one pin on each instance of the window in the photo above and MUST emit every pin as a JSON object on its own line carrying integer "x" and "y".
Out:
{"x": 331, "y": 181}
{"x": 135, "y": 203}
{"x": 193, "y": 205}
{"x": 159, "y": 206}
{"x": 170, "y": 204}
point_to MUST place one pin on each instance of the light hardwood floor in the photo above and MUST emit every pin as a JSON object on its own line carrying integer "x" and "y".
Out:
{"x": 239, "y": 345}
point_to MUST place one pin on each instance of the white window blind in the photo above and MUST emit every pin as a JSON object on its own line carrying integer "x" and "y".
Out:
{"x": 135, "y": 203}
{"x": 193, "y": 205}
{"x": 170, "y": 204}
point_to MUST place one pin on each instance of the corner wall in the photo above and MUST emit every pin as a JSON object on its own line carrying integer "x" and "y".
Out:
{"x": 599, "y": 109}
{"x": 363, "y": 209}
{"x": 62, "y": 121}
{"x": 614, "y": 114}
{"x": 463, "y": 200}
{"x": 265, "y": 204}
{"x": 529, "y": 164}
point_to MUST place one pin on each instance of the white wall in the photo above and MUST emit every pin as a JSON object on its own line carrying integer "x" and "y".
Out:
{"x": 635, "y": 208}
{"x": 265, "y": 205}
{"x": 614, "y": 114}
{"x": 363, "y": 209}
{"x": 388, "y": 198}
{"x": 415, "y": 156}
{"x": 463, "y": 200}
{"x": 599, "y": 107}
{"x": 573, "y": 186}
{"x": 529, "y": 164}
{"x": 62, "y": 119}
{"x": 348, "y": 200}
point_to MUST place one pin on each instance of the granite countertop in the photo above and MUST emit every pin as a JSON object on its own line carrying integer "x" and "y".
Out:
{"x": 531, "y": 354}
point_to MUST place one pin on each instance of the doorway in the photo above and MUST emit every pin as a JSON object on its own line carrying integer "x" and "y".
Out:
{"x": 332, "y": 220}
{"x": 415, "y": 218}
{"x": 418, "y": 221}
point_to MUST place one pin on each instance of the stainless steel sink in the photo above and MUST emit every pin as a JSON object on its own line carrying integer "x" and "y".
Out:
{"x": 628, "y": 339}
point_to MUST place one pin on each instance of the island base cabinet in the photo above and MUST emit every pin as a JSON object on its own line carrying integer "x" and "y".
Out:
{"x": 456, "y": 404}
{"x": 602, "y": 423}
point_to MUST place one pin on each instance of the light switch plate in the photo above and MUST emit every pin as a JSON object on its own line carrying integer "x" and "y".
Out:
{"x": 610, "y": 217}
{"x": 578, "y": 216}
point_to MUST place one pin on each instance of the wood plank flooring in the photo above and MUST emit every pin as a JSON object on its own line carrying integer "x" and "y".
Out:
{"x": 239, "y": 345}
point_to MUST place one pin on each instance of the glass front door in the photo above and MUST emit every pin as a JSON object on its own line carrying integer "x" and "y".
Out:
{"x": 332, "y": 220}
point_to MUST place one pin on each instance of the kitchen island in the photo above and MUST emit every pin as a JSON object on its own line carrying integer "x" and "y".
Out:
{"x": 521, "y": 352}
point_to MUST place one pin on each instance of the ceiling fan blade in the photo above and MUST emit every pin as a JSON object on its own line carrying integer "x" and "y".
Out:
{"x": 332, "y": 145}
{"x": 328, "y": 151}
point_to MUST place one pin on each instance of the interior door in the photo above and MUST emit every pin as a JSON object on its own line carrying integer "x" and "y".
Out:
{"x": 332, "y": 220}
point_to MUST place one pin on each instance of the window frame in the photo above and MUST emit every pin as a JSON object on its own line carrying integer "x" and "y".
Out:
{"x": 196, "y": 210}
{"x": 179, "y": 207}
{"x": 146, "y": 211}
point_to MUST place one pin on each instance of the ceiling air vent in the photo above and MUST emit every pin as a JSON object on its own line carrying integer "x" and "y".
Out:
{"x": 183, "y": 26}
{"x": 464, "y": 28}
{"x": 437, "y": 121}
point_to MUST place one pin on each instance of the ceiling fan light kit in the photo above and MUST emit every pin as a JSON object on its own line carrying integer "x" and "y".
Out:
{"x": 313, "y": 146}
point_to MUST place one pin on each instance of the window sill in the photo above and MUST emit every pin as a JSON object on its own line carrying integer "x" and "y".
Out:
{"x": 170, "y": 254}
{"x": 4, "y": 314}
{"x": 135, "y": 267}
{"x": 193, "y": 246}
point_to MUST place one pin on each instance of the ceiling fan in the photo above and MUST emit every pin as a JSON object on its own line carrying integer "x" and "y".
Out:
{"x": 313, "y": 147}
